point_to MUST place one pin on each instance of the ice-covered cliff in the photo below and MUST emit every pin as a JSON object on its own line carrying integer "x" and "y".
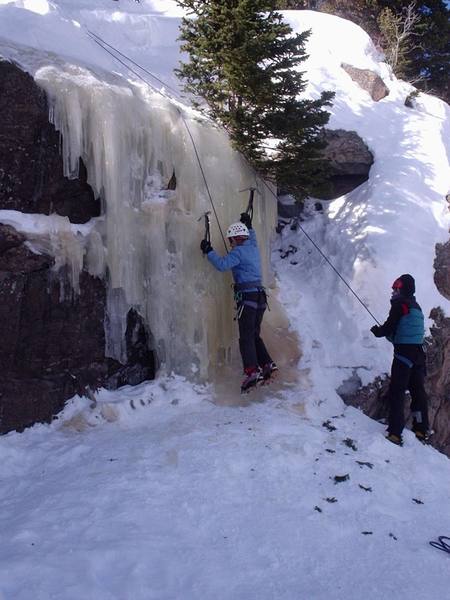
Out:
{"x": 133, "y": 141}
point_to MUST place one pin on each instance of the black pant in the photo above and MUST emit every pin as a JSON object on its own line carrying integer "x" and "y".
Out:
{"x": 409, "y": 375}
{"x": 251, "y": 307}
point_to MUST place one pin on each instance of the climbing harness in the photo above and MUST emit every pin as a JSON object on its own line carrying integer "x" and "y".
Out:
{"x": 248, "y": 285}
{"x": 441, "y": 544}
{"x": 242, "y": 301}
{"x": 114, "y": 52}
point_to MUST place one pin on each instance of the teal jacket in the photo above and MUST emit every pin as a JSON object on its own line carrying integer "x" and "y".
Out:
{"x": 410, "y": 328}
{"x": 405, "y": 322}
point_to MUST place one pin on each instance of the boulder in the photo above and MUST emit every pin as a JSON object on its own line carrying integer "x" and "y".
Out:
{"x": 367, "y": 80}
{"x": 442, "y": 269}
{"x": 349, "y": 162}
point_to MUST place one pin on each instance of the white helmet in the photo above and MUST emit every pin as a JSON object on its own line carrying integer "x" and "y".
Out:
{"x": 237, "y": 229}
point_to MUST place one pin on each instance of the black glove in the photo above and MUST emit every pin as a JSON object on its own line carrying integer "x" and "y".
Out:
{"x": 205, "y": 246}
{"x": 245, "y": 218}
{"x": 376, "y": 331}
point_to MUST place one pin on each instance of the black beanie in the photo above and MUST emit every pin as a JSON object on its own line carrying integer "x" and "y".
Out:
{"x": 406, "y": 285}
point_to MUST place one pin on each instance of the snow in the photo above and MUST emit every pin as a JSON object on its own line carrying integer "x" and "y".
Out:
{"x": 66, "y": 242}
{"x": 386, "y": 227}
{"x": 171, "y": 489}
{"x": 181, "y": 498}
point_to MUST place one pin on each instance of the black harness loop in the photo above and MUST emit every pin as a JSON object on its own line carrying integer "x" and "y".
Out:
{"x": 248, "y": 285}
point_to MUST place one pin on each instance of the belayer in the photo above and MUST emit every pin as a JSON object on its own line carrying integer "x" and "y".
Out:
{"x": 250, "y": 296}
{"x": 404, "y": 327}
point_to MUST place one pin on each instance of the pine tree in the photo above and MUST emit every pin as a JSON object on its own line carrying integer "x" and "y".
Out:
{"x": 424, "y": 53}
{"x": 244, "y": 64}
{"x": 429, "y": 57}
{"x": 400, "y": 36}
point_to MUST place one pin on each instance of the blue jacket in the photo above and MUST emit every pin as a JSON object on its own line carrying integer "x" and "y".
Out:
{"x": 244, "y": 262}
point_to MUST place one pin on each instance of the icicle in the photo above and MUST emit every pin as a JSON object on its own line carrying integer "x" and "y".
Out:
{"x": 132, "y": 143}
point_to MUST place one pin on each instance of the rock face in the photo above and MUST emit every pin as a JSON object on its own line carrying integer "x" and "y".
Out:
{"x": 349, "y": 161}
{"x": 438, "y": 379}
{"x": 53, "y": 341}
{"x": 31, "y": 166}
{"x": 442, "y": 269}
{"x": 368, "y": 81}
{"x": 373, "y": 398}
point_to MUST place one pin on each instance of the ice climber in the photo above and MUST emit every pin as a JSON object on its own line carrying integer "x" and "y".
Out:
{"x": 250, "y": 296}
{"x": 404, "y": 327}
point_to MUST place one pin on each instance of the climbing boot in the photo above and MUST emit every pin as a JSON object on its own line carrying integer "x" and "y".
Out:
{"x": 252, "y": 375}
{"x": 395, "y": 439}
{"x": 268, "y": 371}
{"x": 422, "y": 436}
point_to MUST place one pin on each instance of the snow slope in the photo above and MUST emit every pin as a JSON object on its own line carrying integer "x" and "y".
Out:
{"x": 178, "y": 498}
{"x": 386, "y": 227}
{"x": 163, "y": 491}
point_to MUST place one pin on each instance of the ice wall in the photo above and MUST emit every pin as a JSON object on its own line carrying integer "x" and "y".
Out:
{"x": 132, "y": 140}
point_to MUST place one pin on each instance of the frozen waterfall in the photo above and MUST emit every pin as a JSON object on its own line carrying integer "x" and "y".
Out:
{"x": 132, "y": 141}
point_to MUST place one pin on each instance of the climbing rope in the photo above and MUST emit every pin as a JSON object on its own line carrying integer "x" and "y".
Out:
{"x": 327, "y": 260}
{"x": 441, "y": 545}
{"x": 105, "y": 45}
{"x": 110, "y": 50}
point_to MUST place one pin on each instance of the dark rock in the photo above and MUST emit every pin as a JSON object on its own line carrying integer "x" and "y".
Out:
{"x": 372, "y": 398}
{"x": 172, "y": 185}
{"x": 9, "y": 238}
{"x": 289, "y": 210}
{"x": 53, "y": 345}
{"x": 140, "y": 360}
{"x": 53, "y": 340}
{"x": 349, "y": 162}
{"x": 368, "y": 81}
{"x": 442, "y": 269}
{"x": 438, "y": 379}
{"x": 20, "y": 259}
{"x": 31, "y": 167}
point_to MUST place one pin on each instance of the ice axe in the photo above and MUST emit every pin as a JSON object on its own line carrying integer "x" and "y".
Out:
{"x": 207, "y": 221}
{"x": 249, "y": 209}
